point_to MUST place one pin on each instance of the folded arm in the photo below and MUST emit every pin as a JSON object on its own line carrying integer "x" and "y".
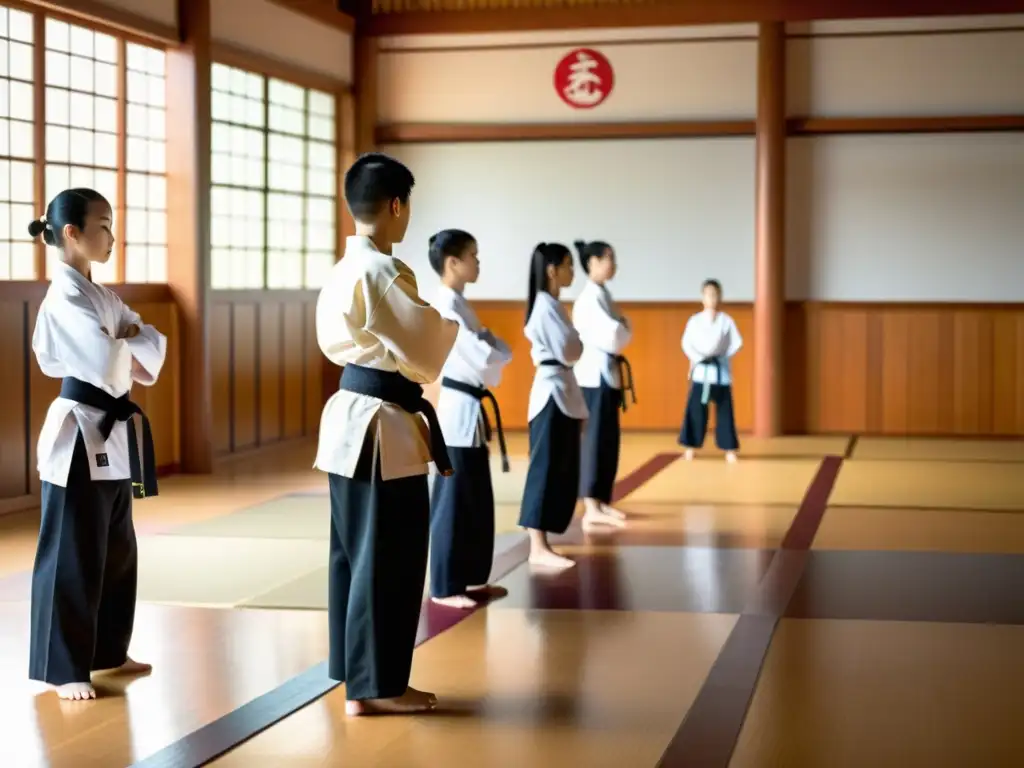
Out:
{"x": 69, "y": 340}
{"x": 412, "y": 330}
{"x": 599, "y": 329}
{"x": 148, "y": 346}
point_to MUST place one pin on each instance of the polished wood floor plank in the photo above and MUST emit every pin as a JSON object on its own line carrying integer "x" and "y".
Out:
{"x": 848, "y": 694}
{"x": 521, "y": 688}
{"x": 206, "y": 663}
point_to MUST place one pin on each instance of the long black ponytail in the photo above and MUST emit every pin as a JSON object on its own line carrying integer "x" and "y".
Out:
{"x": 587, "y": 251}
{"x": 544, "y": 255}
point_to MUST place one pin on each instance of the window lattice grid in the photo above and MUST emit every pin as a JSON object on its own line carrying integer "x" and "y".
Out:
{"x": 17, "y": 170}
{"x": 145, "y": 165}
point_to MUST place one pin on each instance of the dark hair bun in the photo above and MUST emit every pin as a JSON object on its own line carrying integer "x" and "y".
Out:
{"x": 36, "y": 228}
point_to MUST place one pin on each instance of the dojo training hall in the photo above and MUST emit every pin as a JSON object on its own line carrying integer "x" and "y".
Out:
{"x": 849, "y": 593}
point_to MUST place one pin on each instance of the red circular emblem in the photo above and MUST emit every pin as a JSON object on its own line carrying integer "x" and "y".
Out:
{"x": 584, "y": 78}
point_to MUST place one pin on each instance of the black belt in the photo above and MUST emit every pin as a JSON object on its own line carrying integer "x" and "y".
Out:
{"x": 626, "y": 380}
{"x": 482, "y": 394}
{"x": 552, "y": 363}
{"x": 143, "y": 468}
{"x": 392, "y": 387}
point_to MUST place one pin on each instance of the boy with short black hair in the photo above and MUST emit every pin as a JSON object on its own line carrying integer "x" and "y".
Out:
{"x": 710, "y": 340}
{"x": 375, "y": 446}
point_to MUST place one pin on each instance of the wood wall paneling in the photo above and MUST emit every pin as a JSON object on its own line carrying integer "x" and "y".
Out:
{"x": 267, "y": 369}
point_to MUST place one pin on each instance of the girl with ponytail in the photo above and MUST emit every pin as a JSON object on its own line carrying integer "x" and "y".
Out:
{"x": 95, "y": 453}
{"x": 556, "y": 409}
{"x": 602, "y": 373}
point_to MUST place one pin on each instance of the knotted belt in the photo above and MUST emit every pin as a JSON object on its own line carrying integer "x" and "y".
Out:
{"x": 143, "y": 466}
{"x": 392, "y": 387}
{"x": 481, "y": 394}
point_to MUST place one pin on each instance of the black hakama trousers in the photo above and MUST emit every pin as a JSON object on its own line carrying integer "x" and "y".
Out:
{"x": 600, "y": 450}
{"x": 695, "y": 420}
{"x": 552, "y": 480}
{"x": 462, "y": 524}
{"x": 85, "y": 577}
{"x": 378, "y": 563}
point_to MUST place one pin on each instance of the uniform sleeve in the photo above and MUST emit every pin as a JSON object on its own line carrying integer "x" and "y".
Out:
{"x": 689, "y": 345}
{"x": 735, "y": 340}
{"x": 69, "y": 340}
{"x": 599, "y": 329}
{"x": 412, "y": 330}
{"x": 148, "y": 348}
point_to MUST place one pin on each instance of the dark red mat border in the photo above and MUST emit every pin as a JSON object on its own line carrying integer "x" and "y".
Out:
{"x": 708, "y": 734}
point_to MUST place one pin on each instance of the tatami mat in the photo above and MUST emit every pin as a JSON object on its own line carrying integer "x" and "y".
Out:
{"x": 935, "y": 449}
{"x": 930, "y": 484}
{"x": 934, "y": 530}
{"x": 218, "y": 571}
{"x": 787, "y": 446}
{"x": 749, "y": 481}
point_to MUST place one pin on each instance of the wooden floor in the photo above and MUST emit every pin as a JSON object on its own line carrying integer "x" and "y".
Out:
{"x": 824, "y": 602}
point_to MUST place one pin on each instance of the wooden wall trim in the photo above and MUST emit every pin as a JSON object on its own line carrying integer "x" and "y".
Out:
{"x": 242, "y": 58}
{"x": 817, "y": 126}
{"x": 405, "y": 133}
{"x": 130, "y": 293}
{"x": 264, "y": 296}
{"x": 415, "y": 133}
{"x": 677, "y": 13}
{"x": 108, "y": 17}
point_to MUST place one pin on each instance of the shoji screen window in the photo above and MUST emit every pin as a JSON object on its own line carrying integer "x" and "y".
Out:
{"x": 17, "y": 185}
{"x": 145, "y": 160}
{"x": 81, "y": 118}
{"x": 238, "y": 171}
{"x": 321, "y": 189}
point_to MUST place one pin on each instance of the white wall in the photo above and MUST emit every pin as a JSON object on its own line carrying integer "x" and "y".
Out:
{"x": 918, "y": 217}
{"x": 272, "y": 30}
{"x": 677, "y": 211}
{"x": 906, "y": 218}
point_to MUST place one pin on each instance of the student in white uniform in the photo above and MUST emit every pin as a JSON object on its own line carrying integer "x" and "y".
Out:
{"x": 710, "y": 341}
{"x": 462, "y": 505}
{"x": 91, "y": 463}
{"x": 556, "y": 409}
{"x": 603, "y": 373}
{"x": 375, "y": 445}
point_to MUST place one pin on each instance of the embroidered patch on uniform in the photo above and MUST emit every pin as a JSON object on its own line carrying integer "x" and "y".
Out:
{"x": 101, "y": 460}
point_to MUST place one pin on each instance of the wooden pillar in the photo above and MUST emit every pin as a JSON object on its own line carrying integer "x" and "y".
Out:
{"x": 770, "y": 246}
{"x": 365, "y": 66}
{"x": 188, "y": 209}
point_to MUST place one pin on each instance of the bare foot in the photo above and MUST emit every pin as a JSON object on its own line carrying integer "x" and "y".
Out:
{"x": 130, "y": 667}
{"x": 688, "y": 455}
{"x": 613, "y": 512}
{"x": 76, "y": 691}
{"x": 593, "y": 518}
{"x": 550, "y": 559}
{"x": 488, "y": 591}
{"x": 411, "y": 702}
{"x": 465, "y": 602}
{"x": 730, "y": 456}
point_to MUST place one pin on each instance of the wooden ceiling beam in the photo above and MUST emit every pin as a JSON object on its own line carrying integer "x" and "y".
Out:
{"x": 674, "y": 13}
{"x": 324, "y": 11}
